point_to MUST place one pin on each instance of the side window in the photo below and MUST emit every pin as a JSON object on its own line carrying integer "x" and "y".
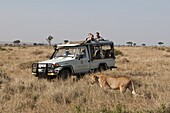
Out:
{"x": 102, "y": 51}
{"x": 82, "y": 51}
{"x": 106, "y": 50}
{"x": 97, "y": 52}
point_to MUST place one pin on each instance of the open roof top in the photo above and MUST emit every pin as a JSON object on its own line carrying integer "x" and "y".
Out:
{"x": 79, "y": 43}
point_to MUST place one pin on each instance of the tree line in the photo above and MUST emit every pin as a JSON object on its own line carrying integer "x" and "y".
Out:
{"x": 134, "y": 44}
{"x": 50, "y": 38}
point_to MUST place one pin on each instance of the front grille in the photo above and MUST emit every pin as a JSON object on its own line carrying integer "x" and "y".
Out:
{"x": 42, "y": 69}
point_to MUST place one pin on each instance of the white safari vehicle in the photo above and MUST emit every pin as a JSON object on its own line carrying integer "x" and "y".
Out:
{"x": 76, "y": 59}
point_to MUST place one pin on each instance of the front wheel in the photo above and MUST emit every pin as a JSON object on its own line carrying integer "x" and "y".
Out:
{"x": 64, "y": 74}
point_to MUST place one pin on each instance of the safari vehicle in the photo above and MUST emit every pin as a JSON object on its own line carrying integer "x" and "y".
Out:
{"x": 76, "y": 59}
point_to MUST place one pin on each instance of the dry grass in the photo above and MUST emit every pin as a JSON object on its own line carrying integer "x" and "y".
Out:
{"x": 22, "y": 92}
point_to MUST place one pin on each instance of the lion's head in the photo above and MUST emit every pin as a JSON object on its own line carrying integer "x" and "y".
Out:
{"x": 94, "y": 79}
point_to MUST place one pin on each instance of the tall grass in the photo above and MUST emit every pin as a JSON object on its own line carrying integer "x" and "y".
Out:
{"x": 22, "y": 92}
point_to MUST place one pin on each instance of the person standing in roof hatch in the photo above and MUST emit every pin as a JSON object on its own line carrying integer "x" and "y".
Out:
{"x": 98, "y": 37}
{"x": 89, "y": 38}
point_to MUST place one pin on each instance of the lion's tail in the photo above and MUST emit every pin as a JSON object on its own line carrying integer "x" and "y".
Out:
{"x": 133, "y": 89}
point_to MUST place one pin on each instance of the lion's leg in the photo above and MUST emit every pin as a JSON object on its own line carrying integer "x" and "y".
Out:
{"x": 103, "y": 84}
{"x": 122, "y": 89}
{"x": 132, "y": 89}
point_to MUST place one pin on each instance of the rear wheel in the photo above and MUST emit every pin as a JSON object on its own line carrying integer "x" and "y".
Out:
{"x": 101, "y": 68}
{"x": 80, "y": 75}
{"x": 64, "y": 74}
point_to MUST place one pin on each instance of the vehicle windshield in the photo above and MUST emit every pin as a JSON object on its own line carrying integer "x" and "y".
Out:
{"x": 65, "y": 52}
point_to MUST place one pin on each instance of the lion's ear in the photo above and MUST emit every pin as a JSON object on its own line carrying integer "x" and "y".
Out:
{"x": 96, "y": 77}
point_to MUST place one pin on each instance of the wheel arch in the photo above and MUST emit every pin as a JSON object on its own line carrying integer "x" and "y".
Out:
{"x": 103, "y": 64}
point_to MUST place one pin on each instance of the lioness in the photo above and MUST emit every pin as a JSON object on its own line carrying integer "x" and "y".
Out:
{"x": 121, "y": 83}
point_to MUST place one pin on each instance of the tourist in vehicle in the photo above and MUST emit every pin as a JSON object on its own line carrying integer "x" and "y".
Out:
{"x": 83, "y": 53}
{"x": 67, "y": 52}
{"x": 89, "y": 38}
{"x": 98, "y": 37}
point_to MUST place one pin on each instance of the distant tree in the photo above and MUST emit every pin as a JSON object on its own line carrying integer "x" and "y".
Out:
{"x": 35, "y": 44}
{"x": 49, "y": 39}
{"x": 160, "y": 43}
{"x": 134, "y": 44}
{"x": 129, "y": 43}
{"x": 65, "y": 41}
{"x": 16, "y": 42}
{"x": 143, "y": 44}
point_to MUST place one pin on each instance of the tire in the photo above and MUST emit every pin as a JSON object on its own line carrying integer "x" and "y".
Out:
{"x": 80, "y": 75}
{"x": 101, "y": 68}
{"x": 64, "y": 74}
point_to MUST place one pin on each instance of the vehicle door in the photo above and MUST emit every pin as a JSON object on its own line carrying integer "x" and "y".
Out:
{"x": 82, "y": 60}
{"x": 96, "y": 55}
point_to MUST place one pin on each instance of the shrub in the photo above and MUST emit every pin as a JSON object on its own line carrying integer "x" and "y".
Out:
{"x": 5, "y": 44}
{"x": 23, "y": 47}
{"x": 26, "y": 65}
{"x": 166, "y": 55}
{"x": 2, "y": 49}
{"x": 157, "y": 48}
{"x": 10, "y": 45}
{"x": 124, "y": 60}
{"x": 3, "y": 77}
{"x": 168, "y": 50}
{"x": 119, "y": 108}
{"x": 118, "y": 52}
{"x": 163, "y": 109}
{"x": 37, "y": 52}
{"x": 10, "y": 49}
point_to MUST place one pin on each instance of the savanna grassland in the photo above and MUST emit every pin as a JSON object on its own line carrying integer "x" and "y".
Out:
{"x": 20, "y": 92}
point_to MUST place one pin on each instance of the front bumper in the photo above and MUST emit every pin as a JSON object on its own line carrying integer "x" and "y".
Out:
{"x": 45, "y": 70}
{"x": 48, "y": 74}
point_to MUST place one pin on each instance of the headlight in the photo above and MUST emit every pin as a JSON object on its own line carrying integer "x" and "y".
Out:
{"x": 34, "y": 67}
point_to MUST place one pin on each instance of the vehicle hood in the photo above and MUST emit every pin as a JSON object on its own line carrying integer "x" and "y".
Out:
{"x": 58, "y": 60}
